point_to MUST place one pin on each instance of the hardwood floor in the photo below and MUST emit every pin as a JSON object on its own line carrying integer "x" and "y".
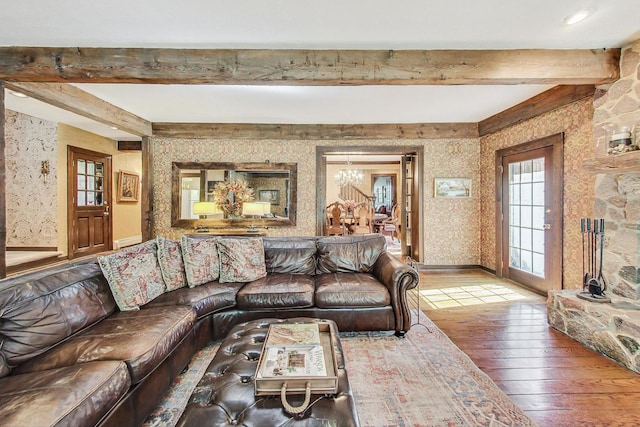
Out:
{"x": 503, "y": 329}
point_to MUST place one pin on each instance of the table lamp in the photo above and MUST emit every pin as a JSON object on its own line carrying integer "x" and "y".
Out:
{"x": 255, "y": 210}
{"x": 203, "y": 209}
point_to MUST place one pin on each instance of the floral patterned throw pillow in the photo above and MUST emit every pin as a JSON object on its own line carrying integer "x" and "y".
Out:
{"x": 133, "y": 275}
{"x": 241, "y": 260}
{"x": 201, "y": 261}
{"x": 171, "y": 264}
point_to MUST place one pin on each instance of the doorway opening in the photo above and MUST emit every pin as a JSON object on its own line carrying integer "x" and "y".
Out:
{"x": 391, "y": 180}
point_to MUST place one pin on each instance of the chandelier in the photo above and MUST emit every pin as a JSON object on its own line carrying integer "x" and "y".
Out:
{"x": 348, "y": 176}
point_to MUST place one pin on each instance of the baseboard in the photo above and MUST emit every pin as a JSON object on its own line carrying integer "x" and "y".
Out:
{"x": 423, "y": 267}
{"x": 127, "y": 241}
{"x": 487, "y": 269}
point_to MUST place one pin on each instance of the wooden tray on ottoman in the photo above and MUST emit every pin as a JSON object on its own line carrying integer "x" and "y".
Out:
{"x": 300, "y": 355}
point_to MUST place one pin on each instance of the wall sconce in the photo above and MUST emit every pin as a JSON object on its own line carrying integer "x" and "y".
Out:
{"x": 44, "y": 169}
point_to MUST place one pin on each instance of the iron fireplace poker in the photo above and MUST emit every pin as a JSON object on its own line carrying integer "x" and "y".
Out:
{"x": 593, "y": 283}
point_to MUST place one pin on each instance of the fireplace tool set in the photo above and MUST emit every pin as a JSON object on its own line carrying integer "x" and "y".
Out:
{"x": 593, "y": 283}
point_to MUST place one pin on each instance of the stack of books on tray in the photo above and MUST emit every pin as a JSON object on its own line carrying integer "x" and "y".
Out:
{"x": 297, "y": 353}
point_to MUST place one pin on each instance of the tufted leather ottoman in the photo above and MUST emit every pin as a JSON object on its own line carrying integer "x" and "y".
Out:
{"x": 225, "y": 394}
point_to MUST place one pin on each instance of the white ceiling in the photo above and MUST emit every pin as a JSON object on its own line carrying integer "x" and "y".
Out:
{"x": 300, "y": 24}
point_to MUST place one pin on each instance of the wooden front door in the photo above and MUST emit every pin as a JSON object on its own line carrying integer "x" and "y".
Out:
{"x": 531, "y": 214}
{"x": 88, "y": 202}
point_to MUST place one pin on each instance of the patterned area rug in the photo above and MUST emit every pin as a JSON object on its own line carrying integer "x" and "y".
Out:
{"x": 421, "y": 380}
{"x": 175, "y": 400}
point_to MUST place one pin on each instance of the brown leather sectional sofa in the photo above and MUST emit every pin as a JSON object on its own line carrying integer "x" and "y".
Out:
{"x": 68, "y": 356}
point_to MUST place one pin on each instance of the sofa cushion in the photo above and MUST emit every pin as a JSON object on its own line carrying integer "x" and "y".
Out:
{"x": 204, "y": 299}
{"x": 290, "y": 254}
{"x": 349, "y": 254}
{"x": 78, "y": 395}
{"x": 171, "y": 264}
{"x": 142, "y": 339}
{"x": 344, "y": 290}
{"x": 40, "y": 309}
{"x": 201, "y": 260}
{"x": 277, "y": 291}
{"x": 241, "y": 260}
{"x": 134, "y": 275}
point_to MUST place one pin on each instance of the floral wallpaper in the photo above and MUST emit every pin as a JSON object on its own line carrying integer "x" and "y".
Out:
{"x": 575, "y": 120}
{"x": 31, "y": 203}
{"x": 451, "y": 227}
{"x": 168, "y": 150}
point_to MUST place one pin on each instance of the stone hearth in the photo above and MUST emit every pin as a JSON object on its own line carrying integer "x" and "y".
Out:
{"x": 612, "y": 329}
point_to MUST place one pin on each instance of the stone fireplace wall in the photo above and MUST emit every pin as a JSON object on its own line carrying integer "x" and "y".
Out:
{"x": 612, "y": 329}
{"x": 617, "y": 194}
{"x": 618, "y": 202}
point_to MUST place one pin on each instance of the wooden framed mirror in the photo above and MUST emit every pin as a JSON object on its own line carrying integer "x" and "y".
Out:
{"x": 274, "y": 185}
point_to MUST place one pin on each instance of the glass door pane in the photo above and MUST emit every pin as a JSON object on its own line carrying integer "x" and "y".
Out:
{"x": 90, "y": 183}
{"x": 526, "y": 219}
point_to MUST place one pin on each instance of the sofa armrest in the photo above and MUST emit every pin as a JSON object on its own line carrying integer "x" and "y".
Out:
{"x": 398, "y": 277}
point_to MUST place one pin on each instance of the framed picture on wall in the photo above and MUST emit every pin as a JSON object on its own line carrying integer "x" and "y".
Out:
{"x": 271, "y": 196}
{"x": 452, "y": 187}
{"x": 128, "y": 186}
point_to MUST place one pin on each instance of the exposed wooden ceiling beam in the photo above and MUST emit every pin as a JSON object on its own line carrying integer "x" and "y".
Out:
{"x": 542, "y": 103}
{"x": 77, "y": 101}
{"x": 129, "y": 145}
{"x": 307, "y": 67}
{"x": 316, "y": 131}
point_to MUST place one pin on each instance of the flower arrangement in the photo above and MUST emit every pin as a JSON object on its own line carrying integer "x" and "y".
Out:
{"x": 230, "y": 195}
{"x": 349, "y": 205}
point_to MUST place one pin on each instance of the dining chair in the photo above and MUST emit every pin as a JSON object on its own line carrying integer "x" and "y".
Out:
{"x": 334, "y": 224}
{"x": 363, "y": 218}
{"x": 392, "y": 224}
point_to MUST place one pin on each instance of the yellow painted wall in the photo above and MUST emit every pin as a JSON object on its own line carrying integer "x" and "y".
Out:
{"x": 126, "y": 217}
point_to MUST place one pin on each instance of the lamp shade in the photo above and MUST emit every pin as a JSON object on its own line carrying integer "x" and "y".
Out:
{"x": 252, "y": 209}
{"x": 205, "y": 208}
{"x": 266, "y": 208}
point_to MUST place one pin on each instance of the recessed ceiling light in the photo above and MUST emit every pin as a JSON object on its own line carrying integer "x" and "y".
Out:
{"x": 17, "y": 94}
{"x": 114, "y": 128}
{"x": 578, "y": 16}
